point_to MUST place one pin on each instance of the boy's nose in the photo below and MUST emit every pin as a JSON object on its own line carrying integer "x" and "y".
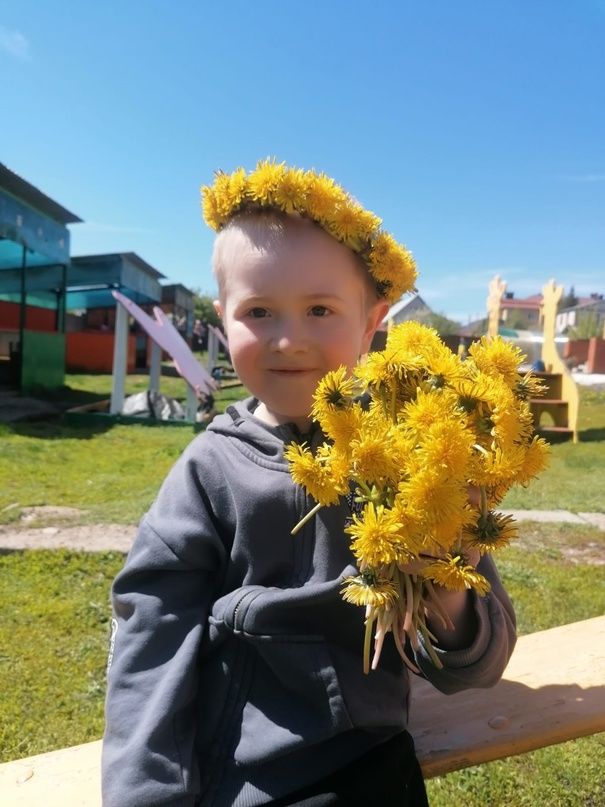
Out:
{"x": 288, "y": 337}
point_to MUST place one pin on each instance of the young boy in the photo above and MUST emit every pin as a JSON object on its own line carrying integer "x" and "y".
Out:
{"x": 236, "y": 675}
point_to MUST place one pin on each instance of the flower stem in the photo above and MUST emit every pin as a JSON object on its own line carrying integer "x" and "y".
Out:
{"x": 306, "y": 518}
{"x": 483, "y": 500}
{"x": 367, "y": 641}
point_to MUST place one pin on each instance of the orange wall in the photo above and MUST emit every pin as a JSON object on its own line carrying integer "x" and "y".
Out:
{"x": 37, "y": 319}
{"x": 596, "y": 355}
{"x": 92, "y": 351}
{"x": 590, "y": 352}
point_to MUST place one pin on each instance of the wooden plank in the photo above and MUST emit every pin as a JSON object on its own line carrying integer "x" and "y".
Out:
{"x": 553, "y": 690}
{"x": 69, "y": 777}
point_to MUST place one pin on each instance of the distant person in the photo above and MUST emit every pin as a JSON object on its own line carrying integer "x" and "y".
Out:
{"x": 181, "y": 326}
{"x": 236, "y": 675}
{"x": 197, "y": 337}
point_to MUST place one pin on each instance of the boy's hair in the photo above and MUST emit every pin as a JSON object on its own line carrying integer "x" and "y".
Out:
{"x": 267, "y": 229}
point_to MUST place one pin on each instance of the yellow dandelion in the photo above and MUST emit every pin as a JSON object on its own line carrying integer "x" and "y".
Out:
{"x": 334, "y": 392}
{"x": 264, "y": 180}
{"x": 426, "y": 409}
{"x": 494, "y": 467}
{"x": 490, "y": 531}
{"x": 342, "y": 425}
{"x": 448, "y": 445}
{"x": 529, "y": 386}
{"x": 438, "y": 497}
{"x": 368, "y": 589}
{"x": 393, "y": 265}
{"x": 210, "y": 208}
{"x": 403, "y": 445}
{"x": 442, "y": 366}
{"x": 412, "y": 534}
{"x": 222, "y": 194}
{"x": 291, "y": 193}
{"x": 387, "y": 257}
{"x": 453, "y": 573}
{"x": 323, "y": 195}
{"x": 338, "y": 466}
{"x": 373, "y": 458}
{"x": 446, "y": 533}
{"x": 474, "y": 388}
{"x": 344, "y": 225}
{"x": 494, "y": 356}
{"x": 368, "y": 223}
{"x": 534, "y": 461}
{"x": 314, "y": 475}
{"x": 378, "y": 371}
{"x": 411, "y": 341}
{"x": 512, "y": 423}
{"x": 375, "y": 537}
{"x": 236, "y": 190}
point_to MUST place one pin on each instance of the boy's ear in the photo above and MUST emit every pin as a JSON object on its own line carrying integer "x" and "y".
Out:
{"x": 375, "y": 316}
{"x": 218, "y": 308}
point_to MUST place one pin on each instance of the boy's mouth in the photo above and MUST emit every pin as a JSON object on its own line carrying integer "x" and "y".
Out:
{"x": 291, "y": 370}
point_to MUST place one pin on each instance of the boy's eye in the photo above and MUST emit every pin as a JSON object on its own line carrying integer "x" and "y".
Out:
{"x": 258, "y": 313}
{"x": 319, "y": 311}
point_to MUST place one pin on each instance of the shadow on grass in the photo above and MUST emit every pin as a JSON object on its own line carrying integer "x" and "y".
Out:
{"x": 591, "y": 435}
{"x": 68, "y": 397}
{"x": 55, "y": 429}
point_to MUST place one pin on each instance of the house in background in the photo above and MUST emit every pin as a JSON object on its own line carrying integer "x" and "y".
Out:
{"x": 178, "y": 303}
{"x": 34, "y": 258}
{"x": 409, "y": 307}
{"x": 91, "y": 280}
{"x": 523, "y": 314}
{"x": 592, "y": 308}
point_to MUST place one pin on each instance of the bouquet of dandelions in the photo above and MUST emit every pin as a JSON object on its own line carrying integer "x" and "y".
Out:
{"x": 410, "y": 431}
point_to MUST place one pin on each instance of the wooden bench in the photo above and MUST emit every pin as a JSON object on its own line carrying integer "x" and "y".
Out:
{"x": 553, "y": 690}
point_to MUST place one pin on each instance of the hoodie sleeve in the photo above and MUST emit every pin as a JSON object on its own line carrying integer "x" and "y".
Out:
{"x": 481, "y": 665}
{"x": 160, "y": 600}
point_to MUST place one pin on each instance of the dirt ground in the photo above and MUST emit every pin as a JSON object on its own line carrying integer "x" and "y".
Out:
{"x": 49, "y": 528}
{"x": 56, "y": 532}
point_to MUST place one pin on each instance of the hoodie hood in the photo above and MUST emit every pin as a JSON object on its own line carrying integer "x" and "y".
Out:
{"x": 240, "y": 422}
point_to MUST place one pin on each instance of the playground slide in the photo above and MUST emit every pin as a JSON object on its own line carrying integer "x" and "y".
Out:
{"x": 164, "y": 334}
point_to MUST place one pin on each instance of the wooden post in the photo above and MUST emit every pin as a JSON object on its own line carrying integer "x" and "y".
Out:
{"x": 120, "y": 360}
{"x": 497, "y": 287}
{"x": 550, "y": 356}
{"x": 212, "y": 350}
{"x": 155, "y": 368}
{"x": 191, "y": 404}
{"x": 551, "y": 296}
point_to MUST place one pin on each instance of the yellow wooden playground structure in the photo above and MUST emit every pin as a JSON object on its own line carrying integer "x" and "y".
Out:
{"x": 556, "y": 413}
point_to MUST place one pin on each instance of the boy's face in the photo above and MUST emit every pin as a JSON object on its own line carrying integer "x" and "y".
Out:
{"x": 294, "y": 310}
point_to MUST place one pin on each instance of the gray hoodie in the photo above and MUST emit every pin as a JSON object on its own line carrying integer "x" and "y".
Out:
{"x": 235, "y": 671}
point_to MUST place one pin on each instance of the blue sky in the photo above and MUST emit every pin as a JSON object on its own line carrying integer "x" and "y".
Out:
{"x": 476, "y": 130}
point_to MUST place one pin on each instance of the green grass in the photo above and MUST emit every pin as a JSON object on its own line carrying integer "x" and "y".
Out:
{"x": 568, "y": 775}
{"x": 54, "y": 625}
{"x": 111, "y": 472}
{"x": 574, "y": 478}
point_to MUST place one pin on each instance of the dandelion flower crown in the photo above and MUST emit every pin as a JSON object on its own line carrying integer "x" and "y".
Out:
{"x": 275, "y": 186}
